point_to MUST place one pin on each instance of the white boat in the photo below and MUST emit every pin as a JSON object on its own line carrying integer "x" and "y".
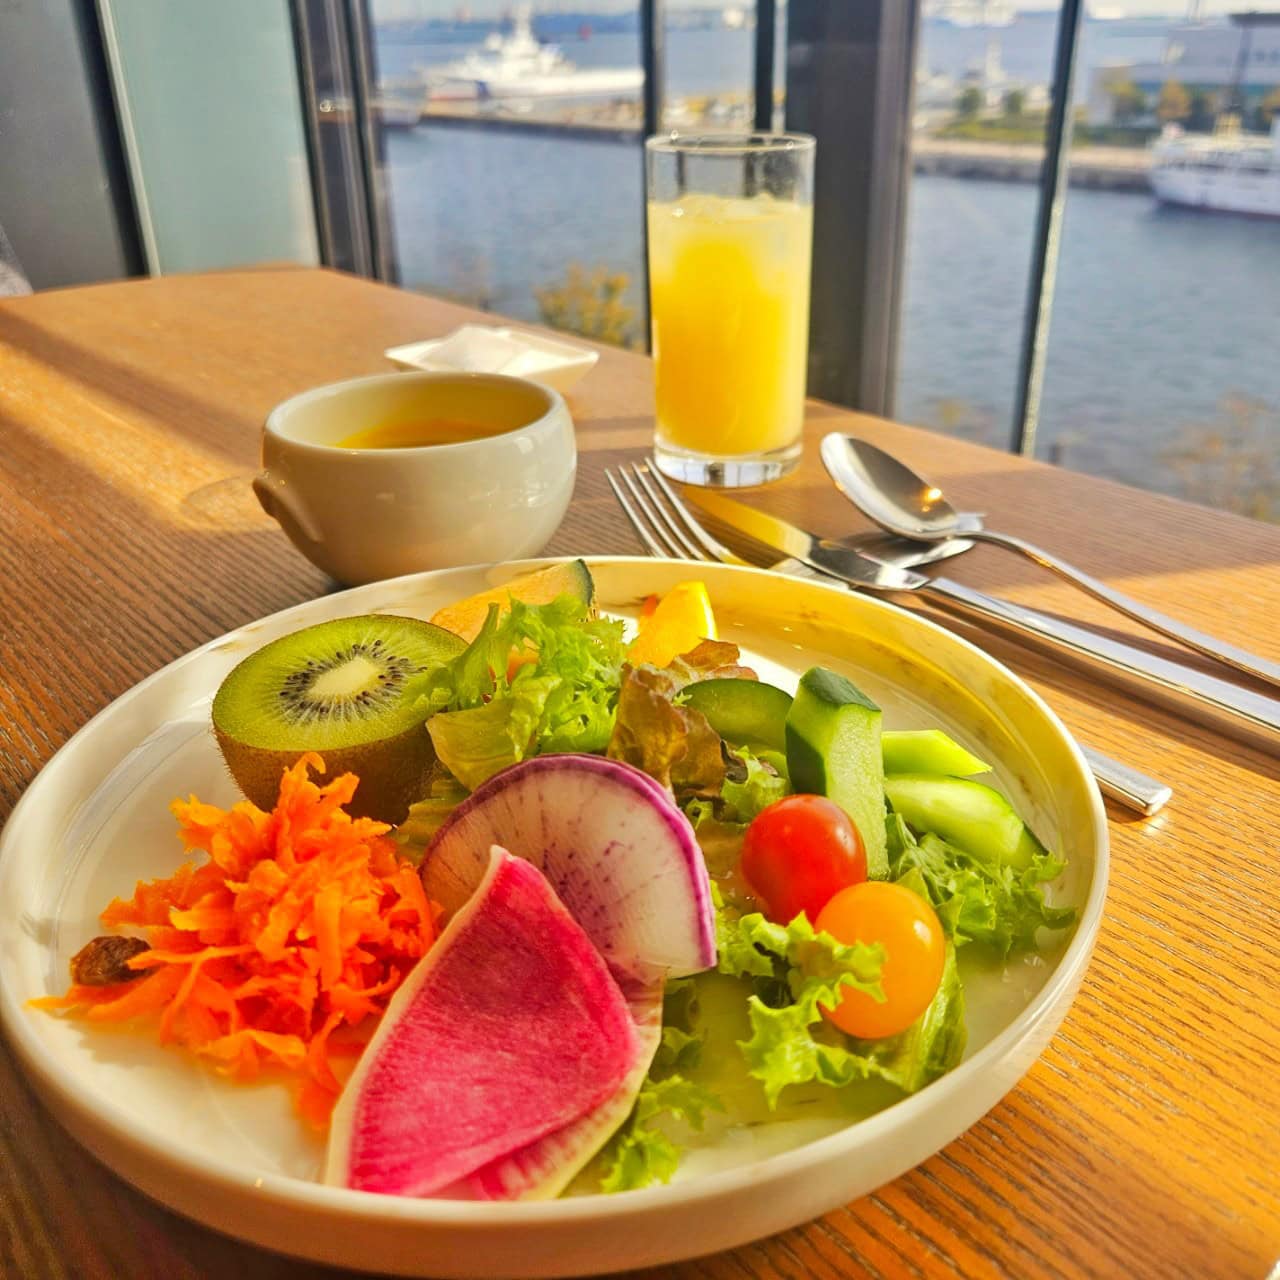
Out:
{"x": 518, "y": 66}
{"x": 971, "y": 13}
{"x": 1227, "y": 171}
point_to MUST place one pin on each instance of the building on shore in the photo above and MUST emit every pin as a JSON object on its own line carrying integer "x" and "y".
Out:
{"x": 1217, "y": 59}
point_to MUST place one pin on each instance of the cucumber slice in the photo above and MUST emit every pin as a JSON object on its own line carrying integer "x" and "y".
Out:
{"x": 967, "y": 814}
{"x": 928, "y": 751}
{"x": 745, "y": 713}
{"x": 833, "y": 749}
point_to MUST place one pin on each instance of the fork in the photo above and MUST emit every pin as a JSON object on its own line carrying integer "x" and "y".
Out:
{"x": 669, "y": 530}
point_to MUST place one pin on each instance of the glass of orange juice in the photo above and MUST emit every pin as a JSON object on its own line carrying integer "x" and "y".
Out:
{"x": 730, "y": 245}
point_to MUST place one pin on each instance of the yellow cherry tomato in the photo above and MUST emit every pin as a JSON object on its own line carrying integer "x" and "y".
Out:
{"x": 915, "y": 949}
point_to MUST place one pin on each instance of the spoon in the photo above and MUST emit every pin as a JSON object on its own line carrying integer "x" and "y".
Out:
{"x": 904, "y": 503}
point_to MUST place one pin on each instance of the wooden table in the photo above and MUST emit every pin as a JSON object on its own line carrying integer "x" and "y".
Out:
{"x": 1143, "y": 1143}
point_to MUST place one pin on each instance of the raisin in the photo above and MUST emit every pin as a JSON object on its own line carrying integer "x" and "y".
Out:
{"x": 105, "y": 961}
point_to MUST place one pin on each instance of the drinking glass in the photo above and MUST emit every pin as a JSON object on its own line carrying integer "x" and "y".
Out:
{"x": 730, "y": 244}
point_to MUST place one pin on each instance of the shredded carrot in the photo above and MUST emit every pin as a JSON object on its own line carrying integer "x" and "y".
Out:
{"x": 283, "y": 948}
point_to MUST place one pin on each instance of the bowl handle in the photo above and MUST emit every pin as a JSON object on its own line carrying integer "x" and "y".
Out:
{"x": 283, "y": 506}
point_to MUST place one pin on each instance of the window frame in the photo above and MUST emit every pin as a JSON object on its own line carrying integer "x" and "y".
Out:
{"x": 857, "y": 313}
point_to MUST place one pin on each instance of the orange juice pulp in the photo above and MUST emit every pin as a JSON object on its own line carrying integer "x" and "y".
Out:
{"x": 729, "y": 294}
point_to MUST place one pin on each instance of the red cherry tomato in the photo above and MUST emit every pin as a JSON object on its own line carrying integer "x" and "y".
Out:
{"x": 915, "y": 950}
{"x": 798, "y": 852}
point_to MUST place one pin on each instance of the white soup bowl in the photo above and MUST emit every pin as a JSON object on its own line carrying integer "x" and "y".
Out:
{"x": 364, "y": 514}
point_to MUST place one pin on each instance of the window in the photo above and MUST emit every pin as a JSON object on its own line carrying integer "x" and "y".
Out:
{"x": 521, "y": 189}
{"x": 1161, "y": 367}
{"x": 981, "y": 101}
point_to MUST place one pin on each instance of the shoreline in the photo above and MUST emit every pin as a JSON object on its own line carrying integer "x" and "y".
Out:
{"x": 1092, "y": 167}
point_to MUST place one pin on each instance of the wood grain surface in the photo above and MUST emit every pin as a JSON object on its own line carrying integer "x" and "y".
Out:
{"x": 1145, "y": 1140}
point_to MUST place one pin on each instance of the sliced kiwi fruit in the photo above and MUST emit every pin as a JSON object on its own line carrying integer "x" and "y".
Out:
{"x": 338, "y": 689}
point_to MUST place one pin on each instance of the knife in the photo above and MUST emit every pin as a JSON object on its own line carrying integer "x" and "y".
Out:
{"x": 1228, "y": 708}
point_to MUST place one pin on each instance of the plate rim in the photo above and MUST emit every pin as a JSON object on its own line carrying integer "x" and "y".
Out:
{"x": 300, "y": 1194}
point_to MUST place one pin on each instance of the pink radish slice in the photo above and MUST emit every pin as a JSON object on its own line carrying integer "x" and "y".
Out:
{"x": 543, "y": 1169}
{"x": 616, "y": 849}
{"x": 509, "y": 1029}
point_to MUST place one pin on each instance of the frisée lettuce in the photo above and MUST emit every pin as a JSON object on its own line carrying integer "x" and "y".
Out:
{"x": 536, "y": 680}
{"x": 977, "y": 901}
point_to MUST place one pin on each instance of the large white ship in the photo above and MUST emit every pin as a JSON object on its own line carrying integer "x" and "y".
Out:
{"x": 1227, "y": 171}
{"x": 519, "y": 66}
{"x": 971, "y": 13}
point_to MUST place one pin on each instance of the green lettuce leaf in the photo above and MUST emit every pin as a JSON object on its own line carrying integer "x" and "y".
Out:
{"x": 487, "y": 711}
{"x": 701, "y": 811}
{"x": 682, "y": 1036}
{"x": 428, "y": 815}
{"x": 477, "y": 742}
{"x": 795, "y": 971}
{"x": 763, "y": 780}
{"x": 997, "y": 906}
{"x": 644, "y": 1150}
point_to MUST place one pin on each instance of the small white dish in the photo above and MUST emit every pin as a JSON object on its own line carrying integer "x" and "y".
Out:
{"x": 479, "y": 348}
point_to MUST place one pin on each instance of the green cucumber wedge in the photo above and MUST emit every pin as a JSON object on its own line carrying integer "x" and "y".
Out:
{"x": 928, "y": 751}
{"x": 745, "y": 713}
{"x": 967, "y": 814}
{"x": 833, "y": 749}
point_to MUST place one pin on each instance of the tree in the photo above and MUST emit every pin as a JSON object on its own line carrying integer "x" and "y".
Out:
{"x": 1202, "y": 112}
{"x": 1269, "y": 108}
{"x": 1174, "y": 103}
{"x": 1128, "y": 102}
{"x": 590, "y": 304}
{"x": 969, "y": 103}
{"x": 1015, "y": 103}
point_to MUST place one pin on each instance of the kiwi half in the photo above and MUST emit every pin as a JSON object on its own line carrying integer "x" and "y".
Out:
{"x": 336, "y": 688}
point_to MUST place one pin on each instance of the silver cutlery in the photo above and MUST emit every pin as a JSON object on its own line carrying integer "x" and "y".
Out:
{"x": 891, "y": 494}
{"x": 668, "y": 529}
{"x": 1225, "y": 706}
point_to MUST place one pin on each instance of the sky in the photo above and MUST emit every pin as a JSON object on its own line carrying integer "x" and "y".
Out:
{"x": 396, "y": 10}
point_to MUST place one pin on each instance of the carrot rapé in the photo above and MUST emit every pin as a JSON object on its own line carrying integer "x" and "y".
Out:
{"x": 302, "y": 921}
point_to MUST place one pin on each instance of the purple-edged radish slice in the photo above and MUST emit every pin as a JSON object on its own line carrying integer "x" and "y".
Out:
{"x": 509, "y": 1029}
{"x": 543, "y": 1169}
{"x": 616, "y": 849}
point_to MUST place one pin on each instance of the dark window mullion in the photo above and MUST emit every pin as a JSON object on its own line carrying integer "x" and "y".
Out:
{"x": 322, "y": 42}
{"x": 364, "y": 80}
{"x": 850, "y": 79}
{"x": 1044, "y": 255}
{"x": 765, "y": 54}
{"x": 653, "y": 58}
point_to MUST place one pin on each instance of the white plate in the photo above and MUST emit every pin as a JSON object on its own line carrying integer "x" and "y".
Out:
{"x": 555, "y": 364}
{"x": 235, "y": 1158}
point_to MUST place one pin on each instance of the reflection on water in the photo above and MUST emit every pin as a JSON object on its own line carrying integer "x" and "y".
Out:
{"x": 1161, "y": 367}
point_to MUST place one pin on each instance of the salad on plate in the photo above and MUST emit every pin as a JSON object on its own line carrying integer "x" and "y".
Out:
{"x": 526, "y": 901}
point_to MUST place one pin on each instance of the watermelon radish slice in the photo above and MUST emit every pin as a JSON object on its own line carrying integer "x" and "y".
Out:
{"x": 543, "y": 1169}
{"x": 509, "y": 1029}
{"x": 618, "y": 852}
